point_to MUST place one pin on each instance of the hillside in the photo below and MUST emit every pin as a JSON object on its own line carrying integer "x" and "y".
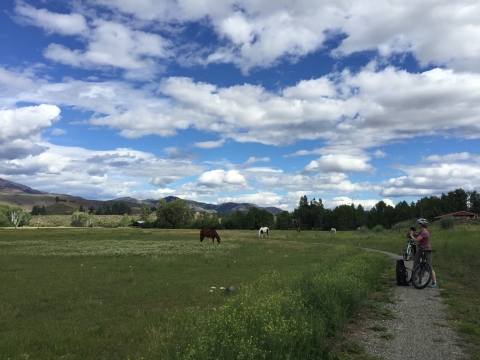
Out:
{"x": 10, "y": 187}
{"x": 13, "y": 194}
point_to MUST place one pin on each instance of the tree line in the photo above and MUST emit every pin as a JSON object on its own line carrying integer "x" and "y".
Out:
{"x": 311, "y": 214}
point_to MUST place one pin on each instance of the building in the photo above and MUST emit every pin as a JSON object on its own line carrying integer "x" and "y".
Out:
{"x": 459, "y": 215}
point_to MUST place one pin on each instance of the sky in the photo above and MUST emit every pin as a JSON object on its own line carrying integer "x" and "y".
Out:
{"x": 253, "y": 101}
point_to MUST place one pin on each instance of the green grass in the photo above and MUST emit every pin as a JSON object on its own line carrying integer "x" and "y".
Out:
{"x": 133, "y": 293}
{"x": 119, "y": 293}
{"x": 457, "y": 266}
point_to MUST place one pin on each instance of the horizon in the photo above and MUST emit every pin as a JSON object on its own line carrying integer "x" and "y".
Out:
{"x": 241, "y": 101}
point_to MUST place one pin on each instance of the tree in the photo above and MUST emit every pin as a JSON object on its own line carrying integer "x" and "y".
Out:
{"x": 19, "y": 217}
{"x": 474, "y": 202}
{"x": 145, "y": 213}
{"x": 283, "y": 221}
{"x": 81, "y": 209}
{"x": 206, "y": 220}
{"x": 80, "y": 219}
{"x": 176, "y": 214}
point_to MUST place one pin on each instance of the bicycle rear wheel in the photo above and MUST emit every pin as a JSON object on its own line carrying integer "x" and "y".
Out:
{"x": 421, "y": 275}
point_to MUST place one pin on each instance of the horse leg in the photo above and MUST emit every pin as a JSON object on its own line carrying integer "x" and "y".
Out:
{"x": 201, "y": 238}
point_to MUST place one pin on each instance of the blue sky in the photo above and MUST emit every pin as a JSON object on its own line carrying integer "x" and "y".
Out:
{"x": 244, "y": 101}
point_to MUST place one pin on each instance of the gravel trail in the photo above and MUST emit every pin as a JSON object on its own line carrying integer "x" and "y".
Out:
{"x": 420, "y": 329}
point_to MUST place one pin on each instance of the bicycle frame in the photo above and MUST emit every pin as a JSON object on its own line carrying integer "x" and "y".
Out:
{"x": 422, "y": 273}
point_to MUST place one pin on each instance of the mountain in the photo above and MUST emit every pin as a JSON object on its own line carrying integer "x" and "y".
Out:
{"x": 14, "y": 194}
{"x": 225, "y": 208}
{"x": 10, "y": 187}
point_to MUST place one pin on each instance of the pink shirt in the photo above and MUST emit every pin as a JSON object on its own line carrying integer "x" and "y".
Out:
{"x": 425, "y": 242}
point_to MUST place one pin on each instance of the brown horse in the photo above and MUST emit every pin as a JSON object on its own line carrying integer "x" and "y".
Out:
{"x": 210, "y": 233}
{"x": 298, "y": 230}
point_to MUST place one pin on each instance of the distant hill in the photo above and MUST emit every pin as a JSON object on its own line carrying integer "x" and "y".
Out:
{"x": 14, "y": 194}
{"x": 10, "y": 187}
{"x": 225, "y": 208}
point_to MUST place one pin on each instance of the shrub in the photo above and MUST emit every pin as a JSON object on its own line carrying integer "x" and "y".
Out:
{"x": 364, "y": 229}
{"x": 378, "y": 229}
{"x": 447, "y": 223}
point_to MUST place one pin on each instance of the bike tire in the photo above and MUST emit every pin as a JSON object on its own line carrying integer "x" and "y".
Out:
{"x": 408, "y": 255}
{"x": 421, "y": 275}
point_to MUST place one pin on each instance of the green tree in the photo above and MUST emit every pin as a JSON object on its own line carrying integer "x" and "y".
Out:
{"x": 18, "y": 217}
{"x": 283, "y": 221}
{"x": 175, "y": 214}
{"x": 145, "y": 212}
{"x": 80, "y": 219}
{"x": 474, "y": 202}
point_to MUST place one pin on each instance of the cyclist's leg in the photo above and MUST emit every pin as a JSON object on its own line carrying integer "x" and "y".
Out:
{"x": 418, "y": 256}
{"x": 429, "y": 262}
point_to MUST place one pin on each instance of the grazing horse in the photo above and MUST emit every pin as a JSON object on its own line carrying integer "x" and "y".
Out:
{"x": 298, "y": 230}
{"x": 210, "y": 233}
{"x": 263, "y": 230}
{"x": 333, "y": 230}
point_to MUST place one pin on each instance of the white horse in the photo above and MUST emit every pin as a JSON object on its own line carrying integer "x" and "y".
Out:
{"x": 263, "y": 230}
{"x": 333, "y": 230}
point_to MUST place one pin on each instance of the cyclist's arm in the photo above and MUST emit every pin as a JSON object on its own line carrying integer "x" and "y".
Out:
{"x": 418, "y": 238}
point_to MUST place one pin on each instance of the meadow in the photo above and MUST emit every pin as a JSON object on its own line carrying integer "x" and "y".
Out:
{"x": 137, "y": 293}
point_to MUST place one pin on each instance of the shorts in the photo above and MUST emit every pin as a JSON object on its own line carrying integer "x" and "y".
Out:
{"x": 418, "y": 256}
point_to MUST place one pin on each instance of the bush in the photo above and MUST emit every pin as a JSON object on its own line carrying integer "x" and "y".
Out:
{"x": 447, "y": 223}
{"x": 378, "y": 229}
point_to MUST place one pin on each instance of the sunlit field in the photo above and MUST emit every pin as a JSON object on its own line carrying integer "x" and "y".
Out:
{"x": 161, "y": 294}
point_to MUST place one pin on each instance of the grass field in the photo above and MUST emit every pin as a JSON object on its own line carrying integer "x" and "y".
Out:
{"x": 133, "y": 293}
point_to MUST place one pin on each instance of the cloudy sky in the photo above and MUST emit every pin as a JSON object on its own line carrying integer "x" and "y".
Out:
{"x": 241, "y": 100}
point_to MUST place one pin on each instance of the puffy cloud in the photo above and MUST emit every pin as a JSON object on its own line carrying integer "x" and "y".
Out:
{"x": 106, "y": 174}
{"x": 437, "y": 174}
{"x": 113, "y": 44}
{"x": 65, "y": 24}
{"x": 215, "y": 178}
{"x": 260, "y": 33}
{"x": 21, "y": 129}
{"x": 340, "y": 163}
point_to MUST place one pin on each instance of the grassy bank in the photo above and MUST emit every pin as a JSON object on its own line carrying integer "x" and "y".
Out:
{"x": 133, "y": 293}
{"x": 457, "y": 265}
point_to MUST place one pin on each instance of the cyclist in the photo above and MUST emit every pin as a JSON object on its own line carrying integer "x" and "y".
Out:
{"x": 423, "y": 241}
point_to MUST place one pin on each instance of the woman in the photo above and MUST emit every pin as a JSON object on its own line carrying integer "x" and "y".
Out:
{"x": 423, "y": 241}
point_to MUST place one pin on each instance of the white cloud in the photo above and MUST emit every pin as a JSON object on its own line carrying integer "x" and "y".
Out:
{"x": 221, "y": 177}
{"x": 340, "y": 163}
{"x": 253, "y": 159}
{"x": 113, "y": 44}
{"x": 21, "y": 129}
{"x": 64, "y": 24}
{"x": 367, "y": 204}
{"x": 260, "y": 33}
{"x": 58, "y": 132}
{"x": 263, "y": 199}
{"x": 106, "y": 174}
{"x": 209, "y": 144}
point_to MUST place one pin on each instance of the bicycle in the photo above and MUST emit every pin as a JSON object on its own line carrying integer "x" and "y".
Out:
{"x": 410, "y": 250}
{"x": 422, "y": 273}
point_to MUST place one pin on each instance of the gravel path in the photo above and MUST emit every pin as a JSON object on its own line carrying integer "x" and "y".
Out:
{"x": 420, "y": 329}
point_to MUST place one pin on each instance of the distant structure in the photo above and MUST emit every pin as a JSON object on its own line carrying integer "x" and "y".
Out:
{"x": 459, "y": 215}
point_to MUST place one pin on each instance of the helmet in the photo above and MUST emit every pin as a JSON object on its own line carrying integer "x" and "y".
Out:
{"x": 422, "y": 221}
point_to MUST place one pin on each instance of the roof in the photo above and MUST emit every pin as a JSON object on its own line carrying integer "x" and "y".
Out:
{"x": 458, "y": 213}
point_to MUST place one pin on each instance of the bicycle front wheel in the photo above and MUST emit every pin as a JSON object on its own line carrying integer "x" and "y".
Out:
{"x": 408, "y": 255}
{"x": 421, "y": 275}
